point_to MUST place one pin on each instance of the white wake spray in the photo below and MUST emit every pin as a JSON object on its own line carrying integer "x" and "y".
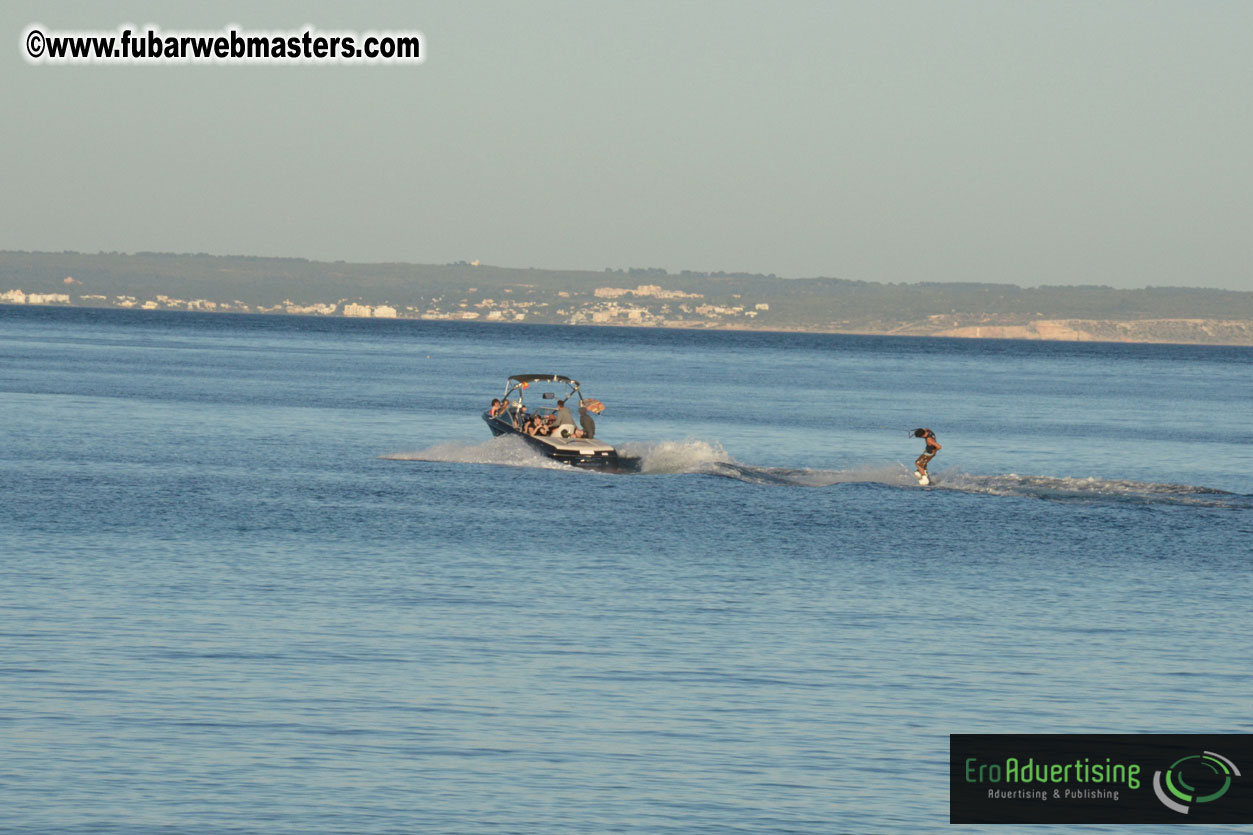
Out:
{"x": 674, "y": 457}
{"x": 504, "y": 451}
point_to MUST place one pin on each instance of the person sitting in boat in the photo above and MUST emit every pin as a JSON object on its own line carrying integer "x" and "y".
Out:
{"x": 536, "y": 426}
{"x": 497, "y": 407}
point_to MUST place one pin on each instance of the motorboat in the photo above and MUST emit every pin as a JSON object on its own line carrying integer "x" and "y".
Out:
{"x": 565, "y": 441}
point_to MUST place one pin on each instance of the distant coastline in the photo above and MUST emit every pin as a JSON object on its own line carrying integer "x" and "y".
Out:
{"x": 641, "y": 297}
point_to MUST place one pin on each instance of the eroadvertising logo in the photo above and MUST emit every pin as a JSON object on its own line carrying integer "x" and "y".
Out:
{"x": 1100, "y": 778}
{"x": 1212, "y": 781}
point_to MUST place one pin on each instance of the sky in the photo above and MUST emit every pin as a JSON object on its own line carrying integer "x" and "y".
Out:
{"x": 1025, "y": 142}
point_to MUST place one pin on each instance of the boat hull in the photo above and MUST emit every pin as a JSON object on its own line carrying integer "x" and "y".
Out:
{"x": 577, "y": 452}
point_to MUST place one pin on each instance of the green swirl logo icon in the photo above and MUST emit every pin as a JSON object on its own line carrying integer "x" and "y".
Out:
{"x": 1193, "y": 780}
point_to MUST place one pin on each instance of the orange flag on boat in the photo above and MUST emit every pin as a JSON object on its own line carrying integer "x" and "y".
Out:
{"x": 594, "y": 406}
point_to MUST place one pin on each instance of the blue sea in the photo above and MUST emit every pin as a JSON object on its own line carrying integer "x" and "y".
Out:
{"x": 273, "y": 575}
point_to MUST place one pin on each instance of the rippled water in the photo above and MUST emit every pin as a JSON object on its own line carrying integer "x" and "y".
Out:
{"x": 272, "y": 574}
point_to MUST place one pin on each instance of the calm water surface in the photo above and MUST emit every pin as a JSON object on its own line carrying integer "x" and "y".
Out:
{"x": 268, "y": 574}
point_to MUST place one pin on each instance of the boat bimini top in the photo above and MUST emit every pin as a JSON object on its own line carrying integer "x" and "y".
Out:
{"x": 519, "y": 383}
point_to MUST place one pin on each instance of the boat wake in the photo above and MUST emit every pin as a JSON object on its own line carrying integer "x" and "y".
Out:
{"x": 698, "y": 457}
{"x": 705, "y": 458}
{"x": 504, "y": 450}
{"x": 1093, "y": 489}
{"x": 710, "y": 459}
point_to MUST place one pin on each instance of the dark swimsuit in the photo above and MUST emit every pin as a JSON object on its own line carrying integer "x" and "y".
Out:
{"x": 926, "y": 457}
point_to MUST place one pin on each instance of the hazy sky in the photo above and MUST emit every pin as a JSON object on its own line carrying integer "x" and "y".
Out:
{"x": 1027, "y": 142}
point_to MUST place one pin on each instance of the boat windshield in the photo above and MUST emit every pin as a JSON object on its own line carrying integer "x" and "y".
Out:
{"x": 541, "y": 393}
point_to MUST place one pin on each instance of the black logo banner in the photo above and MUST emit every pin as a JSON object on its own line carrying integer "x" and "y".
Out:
{"x": 1101, "y": 778}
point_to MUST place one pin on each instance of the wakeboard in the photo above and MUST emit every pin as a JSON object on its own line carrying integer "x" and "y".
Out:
{"x": 924, "y": 479}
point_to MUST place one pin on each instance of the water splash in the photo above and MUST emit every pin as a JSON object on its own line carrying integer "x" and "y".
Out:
{"x": 698, "y": 457}
{"x": 674, "y": 457}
